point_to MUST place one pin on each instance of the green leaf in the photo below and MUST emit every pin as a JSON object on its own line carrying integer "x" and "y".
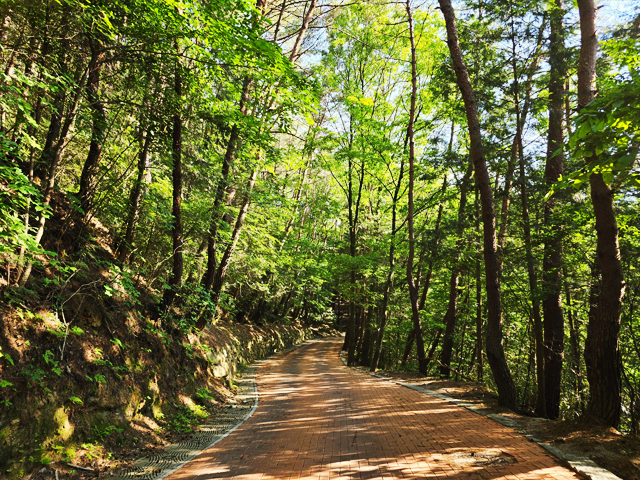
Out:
{"x": 626, "y": 160}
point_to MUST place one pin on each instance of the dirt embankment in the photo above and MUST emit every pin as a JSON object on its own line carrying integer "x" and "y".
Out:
{"x": 105, "y": 385}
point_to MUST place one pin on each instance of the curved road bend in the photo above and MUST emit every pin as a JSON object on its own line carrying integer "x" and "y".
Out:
{"x": 319, "y": 419}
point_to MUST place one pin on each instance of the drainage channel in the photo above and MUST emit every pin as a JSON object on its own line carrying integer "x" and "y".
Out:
{"x": 175, "y": 456}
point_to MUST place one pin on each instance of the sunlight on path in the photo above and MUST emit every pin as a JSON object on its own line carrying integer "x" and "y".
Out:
{"x": 319, "y": 419}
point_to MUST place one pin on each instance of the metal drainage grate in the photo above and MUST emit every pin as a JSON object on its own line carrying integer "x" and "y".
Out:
{"x": 175, "y": 456}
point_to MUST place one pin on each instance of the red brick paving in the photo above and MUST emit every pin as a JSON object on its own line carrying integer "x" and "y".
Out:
{"x": 318, "y": 419}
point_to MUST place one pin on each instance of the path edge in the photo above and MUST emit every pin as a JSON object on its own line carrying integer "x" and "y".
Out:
{"x": 251, "y": 378}
{"x": 248, "y": 376}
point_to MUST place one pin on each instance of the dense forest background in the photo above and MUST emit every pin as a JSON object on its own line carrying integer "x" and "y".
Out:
{"x": 459, "y": 193}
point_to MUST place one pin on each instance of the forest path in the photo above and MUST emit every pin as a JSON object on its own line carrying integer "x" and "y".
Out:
{"x": 319, "y": 419}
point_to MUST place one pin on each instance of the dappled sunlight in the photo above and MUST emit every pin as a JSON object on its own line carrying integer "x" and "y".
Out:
{"x": 318, "y": 419}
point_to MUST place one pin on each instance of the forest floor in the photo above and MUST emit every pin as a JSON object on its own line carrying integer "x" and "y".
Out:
{"x": 618, "y": 453}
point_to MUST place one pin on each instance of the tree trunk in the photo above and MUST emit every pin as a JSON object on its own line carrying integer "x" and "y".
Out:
{"x": 552, "y": 263}
{"x": 210, "y": 277}
{"x": 452, "y": 309}
{"x": 541, "y": 405}
{"x": 217, "y": 213}
{"x": 515, "y": 147}
{"x": 602, "y": 354}
{"x": 479, "y": 354}
{"x": 135, "y": 198}
{"x": 98, "y": 129}
{"x": 354, "y": 213}
{"x": 221, "y": 272}
{"x": 363, "y": 358}
{"x": 432, "y": 257}
{"x": 57, "y": 140}
{"x": 176, "y": 229}
{"x": 382, "y": 312}
{"x": 413, "y": 291}
{"x": 507, "y": 394}
{"x": 574, "y": 340}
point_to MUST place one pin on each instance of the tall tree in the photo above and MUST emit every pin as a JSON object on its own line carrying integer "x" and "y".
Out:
{"x": 98, "y": 127}
{"x": 552, "y": 264}
{"x": 413, "y": 290}
{"x": 176, "y": 176}
{"x": 602, "y": 355}
{"x": 452, "y": 308}
{"x": 507, "y": 393}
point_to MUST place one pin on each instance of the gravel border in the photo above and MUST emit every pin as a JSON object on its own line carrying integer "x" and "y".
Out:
{"x": 581, "y": 465}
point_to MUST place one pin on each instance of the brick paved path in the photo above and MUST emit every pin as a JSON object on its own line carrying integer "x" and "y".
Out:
{"x": 318, "y": 419}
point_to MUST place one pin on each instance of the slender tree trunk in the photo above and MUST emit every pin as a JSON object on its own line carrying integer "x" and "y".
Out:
{"x": 221, "y": 272}
{"x": 233, "y": 143}
{"x": 515, "y": 148}
{"x": 365, "y": 347}
{"x": 216, "y": 215}
{"x": 452, "y": 308}
{"x": 435, "y": 243}
{"x": 382, "y": 312}
{"x": 98, "y": 128}
{"x": 57, "y": 140}
{"x": 135, "y": 198}
{"x": 541, "y": 405}
{"x": 507, "y": 394}
{"x": 434, "y": 345}
{"x": 408, "y": 346}
{"x": 479, "y": 355}
{"x": 602, "y": 354}
{"x": 552, "y": 263}
{"x": 176, "y": 229}
{"x": 413, "y": 291}
{"x": 354, "y": 211}
{"x": 574, "y": 338}
{"x": 460, "y": 352}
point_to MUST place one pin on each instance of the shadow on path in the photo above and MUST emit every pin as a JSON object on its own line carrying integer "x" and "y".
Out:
{"x": 319, "y": 419}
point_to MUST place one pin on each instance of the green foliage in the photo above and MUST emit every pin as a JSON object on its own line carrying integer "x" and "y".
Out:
{"x": 7, "y": 356}
{"x": 118, "y": 343}
{"x": 76, "y": 330}
{"x": 203, "y": 394}
{"x": 122, "y": 286}
{"x": 185, "y": 418}
{"x": 5, "y": 401}
{"x": 16, "y": 194}
{"x": 194, "y": 302}
{"x": 48, "y": 358}
{"x": 91, "y": 450}
{"x": 34, "y": 374}
{"x": 100, "y": 433}
{"x": 69, "y": 454}
{"x": 606, "y": 134}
